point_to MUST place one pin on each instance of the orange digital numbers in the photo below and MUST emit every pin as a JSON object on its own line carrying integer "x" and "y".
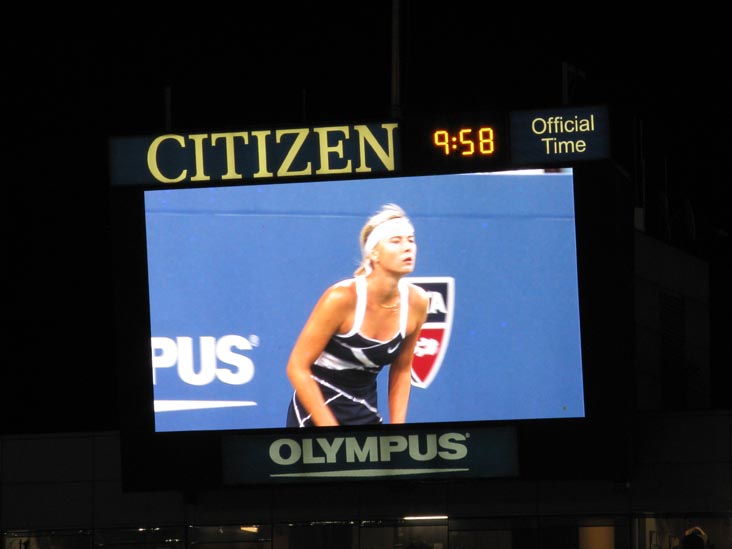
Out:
{"x": 465, "y": 141}
{"x": 441, "y": 138}
{"x": 486, "y": 145}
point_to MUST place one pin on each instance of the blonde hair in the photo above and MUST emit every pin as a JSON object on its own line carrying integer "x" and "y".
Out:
{"x": 386, "y": 213}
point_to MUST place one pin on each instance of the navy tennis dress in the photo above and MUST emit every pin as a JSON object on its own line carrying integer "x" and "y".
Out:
{"x": 346, "y": 370}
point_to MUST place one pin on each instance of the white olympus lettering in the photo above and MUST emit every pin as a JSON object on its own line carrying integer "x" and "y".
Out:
{"x": 372, "y": 449}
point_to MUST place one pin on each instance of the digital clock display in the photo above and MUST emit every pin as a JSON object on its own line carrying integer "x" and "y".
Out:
{"x": 466, "y": 141}
{"x": 457, "y": 143}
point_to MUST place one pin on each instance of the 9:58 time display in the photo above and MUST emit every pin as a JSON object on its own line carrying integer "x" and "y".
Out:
{"x": 465, "y": 141}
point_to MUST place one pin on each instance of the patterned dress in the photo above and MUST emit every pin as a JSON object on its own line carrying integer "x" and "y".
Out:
{"x": 347, "y": 369}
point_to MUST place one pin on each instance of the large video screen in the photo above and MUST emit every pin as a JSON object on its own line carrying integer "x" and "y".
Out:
{"x": 235, "y": 272}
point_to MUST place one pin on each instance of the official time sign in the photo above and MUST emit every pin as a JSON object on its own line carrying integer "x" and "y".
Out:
{"x": 449, "y": 143}
{"x": 559, "y": 135}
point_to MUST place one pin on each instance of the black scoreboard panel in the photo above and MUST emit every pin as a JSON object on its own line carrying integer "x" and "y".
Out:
{"x": 498, "y": 140}
{"x": 440, "y": 144}
{"x": 549, "y": 141}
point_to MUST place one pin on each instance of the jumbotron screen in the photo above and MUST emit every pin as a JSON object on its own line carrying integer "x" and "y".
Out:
{"x": 234, "y": 273}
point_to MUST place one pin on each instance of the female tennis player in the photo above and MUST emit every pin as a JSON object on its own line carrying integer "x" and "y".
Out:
{"x": 358, "y": 327}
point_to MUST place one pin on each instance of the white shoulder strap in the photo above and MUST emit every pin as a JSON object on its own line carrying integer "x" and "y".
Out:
{"x": 404, "y": 310}
{"x": 360, "y": 305}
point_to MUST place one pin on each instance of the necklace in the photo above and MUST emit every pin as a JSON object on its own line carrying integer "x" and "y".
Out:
{"x": 389, "y": 306}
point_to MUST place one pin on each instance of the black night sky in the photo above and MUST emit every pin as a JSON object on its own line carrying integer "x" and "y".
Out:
{"x": 72, "y": 81}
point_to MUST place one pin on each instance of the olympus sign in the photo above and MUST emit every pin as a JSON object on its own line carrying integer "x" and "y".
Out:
{"x": 372, "y": 449}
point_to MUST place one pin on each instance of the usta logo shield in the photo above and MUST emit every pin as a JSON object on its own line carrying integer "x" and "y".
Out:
{"x": 435, "y": 334}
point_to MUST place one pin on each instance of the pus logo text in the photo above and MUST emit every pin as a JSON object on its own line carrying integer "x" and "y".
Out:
{"x": 179, "y": 352}
{"x": 168, "y": 352}
{"x": 435, "y": 335}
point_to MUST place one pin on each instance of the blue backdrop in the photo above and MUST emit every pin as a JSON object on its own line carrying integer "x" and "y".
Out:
{"x": 235, "y": 271}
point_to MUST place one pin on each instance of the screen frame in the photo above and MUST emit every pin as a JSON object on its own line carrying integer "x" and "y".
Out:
{"x": 148, "y": 456}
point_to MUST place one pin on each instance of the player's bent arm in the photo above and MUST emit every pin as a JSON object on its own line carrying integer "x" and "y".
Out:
{"x": 400, "y": 372}
{"x": 400, "y": 385}
{"x": 323, "y": 322}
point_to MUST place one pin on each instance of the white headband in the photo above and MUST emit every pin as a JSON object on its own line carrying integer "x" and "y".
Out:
{"x": 397, "y": 226}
